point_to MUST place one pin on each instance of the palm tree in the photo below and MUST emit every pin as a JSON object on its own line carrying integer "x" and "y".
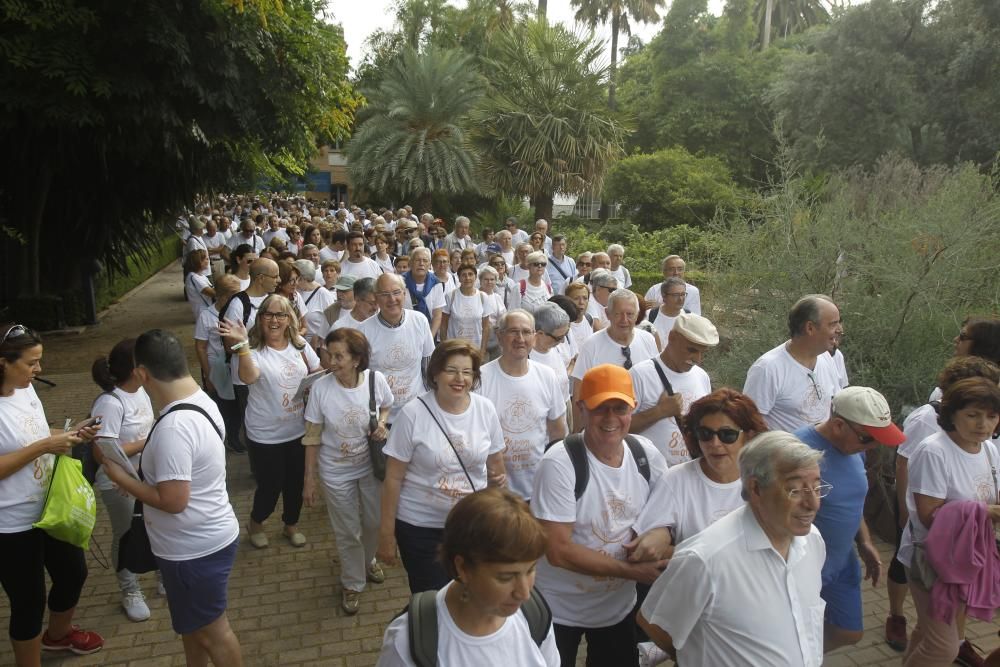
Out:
{"x": 542, "y": 127}
{"x": 787, "y": 17}
{"x": 594, "y": 12}
{"x": 410, "y": 141}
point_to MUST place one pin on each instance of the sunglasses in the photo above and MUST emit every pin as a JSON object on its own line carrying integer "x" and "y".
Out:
{"x": 14, "y": 332}
{"x": 726, "y": 436}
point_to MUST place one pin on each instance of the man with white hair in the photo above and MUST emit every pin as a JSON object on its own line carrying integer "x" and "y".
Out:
{"x": 458, "y": 239}
{"x": 746, "y": 590}
{"x": 504, "y": 239}
{"x": 616, "y": 253}
{"x": 794, "y": 383}
{"x": 673, "y": 292}
{"x": 317, "y": 299}
{"x": 602, "y": 284}
{"x": 673, "y": 266}
{"x": 666, "y": 386}
{"x": 620, "y": 343}
{"x": 527, "y": 397}
{"x": 562, "y": 268}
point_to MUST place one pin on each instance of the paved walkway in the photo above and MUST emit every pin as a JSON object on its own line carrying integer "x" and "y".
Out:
{"x": 283, "y": 601}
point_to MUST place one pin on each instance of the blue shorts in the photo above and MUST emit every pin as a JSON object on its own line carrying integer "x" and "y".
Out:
{"x": 842, "y": 594}
{"x": 196, "y": 589}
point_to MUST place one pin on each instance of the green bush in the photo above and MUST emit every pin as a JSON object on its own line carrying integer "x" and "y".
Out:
{"x": 670, "y": 187}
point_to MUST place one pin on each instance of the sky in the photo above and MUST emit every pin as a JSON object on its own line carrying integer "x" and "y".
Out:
{"x": 360, "y": 18}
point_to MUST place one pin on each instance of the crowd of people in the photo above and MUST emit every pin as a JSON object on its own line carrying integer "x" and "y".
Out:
{"x": 537, "y": 444}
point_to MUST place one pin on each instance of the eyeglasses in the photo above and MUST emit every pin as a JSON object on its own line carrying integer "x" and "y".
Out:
{"x": 557, "y": 339}
{"x": 539, "y": 264}
{"x": 726, "y": 435}
{"x": 14, "y": 332}
{"x": 819, "y": 392}
{"x": 627, "y": 353}
{"x": 389, "y": 295}
{"x": 863, "y": 437}
{"x": 821, "y": 490}
{"x": 269, "y": 315}
{"x": 519, "y": 333}
{"x": 458, "y": 372}
{"x": 583, "y": 263}
{"x": 675, "y": 295}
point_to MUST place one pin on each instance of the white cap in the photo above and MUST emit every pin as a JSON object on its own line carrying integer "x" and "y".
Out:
{"x": 696, "y": 329}
{"x": 868, "y": 408}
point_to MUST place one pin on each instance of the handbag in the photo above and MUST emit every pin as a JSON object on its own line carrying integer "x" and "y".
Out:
{"x": 376, "y": 448}
{"x": 70, "y": 509}
{"x": 445, "y": 433}
{"x": 134, "y": 551}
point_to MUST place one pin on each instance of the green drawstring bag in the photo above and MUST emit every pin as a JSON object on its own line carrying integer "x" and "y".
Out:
{"x": 70, "y": 510}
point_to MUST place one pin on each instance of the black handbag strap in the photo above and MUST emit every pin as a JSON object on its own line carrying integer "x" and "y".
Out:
{"x": 663, "y": 378}
{"x": 445, "y": 433}
{"x": 372, "y": 414}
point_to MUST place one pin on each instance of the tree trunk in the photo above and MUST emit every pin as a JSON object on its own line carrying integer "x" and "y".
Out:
{"x": 615, "y": 22}
{"x": 766, "y": 39}
{"x": 542, "y": 201}
{"x": 34, "y": 236}
{"x": 543, "y": 6}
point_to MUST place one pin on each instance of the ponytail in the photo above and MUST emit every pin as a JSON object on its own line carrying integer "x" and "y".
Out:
{"x": 116, "y": 368}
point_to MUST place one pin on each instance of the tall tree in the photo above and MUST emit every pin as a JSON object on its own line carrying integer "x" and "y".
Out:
{"x": 115, "y": 114}
{"x": 542, "y": 127}
{"x": 410, "y": 141}
{"x": 787, "y": 17}
{"x": 621, "y": 13}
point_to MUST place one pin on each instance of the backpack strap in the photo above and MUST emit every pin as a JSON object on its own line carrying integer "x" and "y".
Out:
{"x": 554, "y": 262}
{"x": 667, "y": 387}
{"x": 313, "y": 294}
{"x": 653, "y": 315}
{"x": 422, "y": 628}
{"x": 536, "y": 611}
{"x": 578, "y": 457}
{"x": 589, "y": 318}
{"x": 639, "y": 455}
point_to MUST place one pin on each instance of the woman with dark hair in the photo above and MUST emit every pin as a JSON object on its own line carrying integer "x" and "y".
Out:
{"x": 312, "y": 235}
{"x": 337, "y": 455}
{"x": 27, "y": 446}
{"x": 489, "y": 548}
{"x": 959, "y": 463}
{"x": 126, "y": 417}
{"x": 443, "y": 446}
{"x": 273, "y": 361}
{"x": 978, "y": 337}
{"x": 242, "y": 258}
{"x": 697, "y": 493}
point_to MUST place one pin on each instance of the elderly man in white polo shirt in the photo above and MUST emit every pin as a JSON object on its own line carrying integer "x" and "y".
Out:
{"x": 666, "y": 386}
{"x": 673, "y": 266}
{"x": 746, "y": 590}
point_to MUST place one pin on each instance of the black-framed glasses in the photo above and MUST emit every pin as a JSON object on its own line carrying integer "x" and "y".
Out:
{"x": 726, "y": 435}
{"x": 627, "y": 353}
{"x": 269, "y": 315}
{"x": 539, "y": 264}
{"x": 557, "y": 339}
{"x": 14, "y": 332}
{"x": 863, "y": 436}
{"x": 816, "y": 387}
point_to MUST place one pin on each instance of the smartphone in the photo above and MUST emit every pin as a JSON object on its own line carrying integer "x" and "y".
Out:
{"x": 90, "y": 421}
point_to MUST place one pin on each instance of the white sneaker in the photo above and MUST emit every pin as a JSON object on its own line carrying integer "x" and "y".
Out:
{"x": 650, "y": 654}
{"x": 134, "y": 604}
{"x": 160, "y": 590}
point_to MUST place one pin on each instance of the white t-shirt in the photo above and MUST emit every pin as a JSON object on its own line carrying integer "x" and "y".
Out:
{"x": 580, "y": 332}
{"x": 524, "y": 404}
{"x": 603, "y": 520}
{"x": 841, "y": 366}
{"x": 510, "y": 645}
{"x": 666, "y": 433}
{"x": 185, "y": 447}
{"x": 316, "y": 301}
{"x": 918, "y": 426}
{"x": 692, "y": 302}
{"x": 689, "y": 502}
{"x": 788, "y": 394}
{"x": 398, "y": 353}
{"x": 496, "y": 308}
{"x": 434, "y": 479}
{"x": 22, "y": 494}
{"x": 941, "y": 469}
{"x": 207, "y": 329}
{"x": 216, "y": 241}
{"x": 346, "y": 320}
{"x": 273, "y": 416}
{"x": 269, "y": 234}
{"x": 193, "y": 286}
{"x": 366, "y": 268}
{"x": 623, "y": 276}
{"x": 533, "y": 296}
{"x": 554, "y": 360}
{"x": 663, "y": 324}
{"x": 327, "y": 253}
{"x": 434, "y": 299}
{"x": 343, "y": 454}
{"x": 385, "y": 264}
{"x": 465, "y": 315}
{"x": 596, "y": 311}
{"x": 600, "y": 349}
{"x": 255, "y": 242}
{"x": 728, "y": 598}
{"x": 450, "y": 284}
{"x": 125, "y": 418}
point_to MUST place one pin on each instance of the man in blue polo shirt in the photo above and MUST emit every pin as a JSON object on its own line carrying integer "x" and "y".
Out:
{"x": 860, "y": 420}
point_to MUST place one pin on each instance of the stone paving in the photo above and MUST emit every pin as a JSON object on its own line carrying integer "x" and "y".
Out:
{"x": 283, "y": 601}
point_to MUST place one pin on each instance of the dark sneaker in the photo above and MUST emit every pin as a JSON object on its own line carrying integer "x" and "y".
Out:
{"x": 895, "y": 632}
{"x": 969, "y": 656}
{"x": 81, "y": 642}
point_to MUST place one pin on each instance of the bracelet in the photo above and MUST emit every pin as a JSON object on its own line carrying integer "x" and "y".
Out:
{"x": 243, "y": 352}
{"x": 239, "y": 345}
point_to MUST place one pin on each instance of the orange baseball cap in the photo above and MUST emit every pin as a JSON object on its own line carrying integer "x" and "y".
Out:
{"x": 605, "y": 383}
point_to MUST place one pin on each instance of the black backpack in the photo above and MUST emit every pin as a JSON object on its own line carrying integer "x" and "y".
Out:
{"x": 248, "y": 307}
{"x": 577, "y": 452}
{"x": 422, "y": 626}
